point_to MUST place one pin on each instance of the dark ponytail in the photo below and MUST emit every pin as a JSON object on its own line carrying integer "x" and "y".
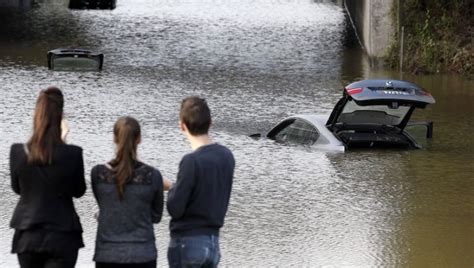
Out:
{"x": 126, "y": 137}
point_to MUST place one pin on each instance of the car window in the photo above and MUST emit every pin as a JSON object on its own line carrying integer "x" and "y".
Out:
{"x": 298, "y": 132}
{"x": 372, "y": 114}
{"x": 75, "y": 64}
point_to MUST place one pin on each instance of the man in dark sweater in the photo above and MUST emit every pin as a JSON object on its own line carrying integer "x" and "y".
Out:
{"x": 198, "y": 201}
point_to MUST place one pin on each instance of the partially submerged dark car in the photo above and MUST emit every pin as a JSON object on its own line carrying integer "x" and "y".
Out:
{"x": 74, "y": 59}
{"x": 371, "y": 113}
{"x": 92, "y": 4}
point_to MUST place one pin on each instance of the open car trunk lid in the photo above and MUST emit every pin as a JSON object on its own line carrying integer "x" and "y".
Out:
{"x": 375, "y": 112}
{"x": 377, "y": 94}
{"x": 386, "y": 92}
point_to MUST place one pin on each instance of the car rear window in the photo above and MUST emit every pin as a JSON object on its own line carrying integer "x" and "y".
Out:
{"x": 75, "y": 64}
{"x": 372, "y": 114}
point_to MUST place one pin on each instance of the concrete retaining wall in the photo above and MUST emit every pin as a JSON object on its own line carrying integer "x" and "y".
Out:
{"x": 373, "y": 24}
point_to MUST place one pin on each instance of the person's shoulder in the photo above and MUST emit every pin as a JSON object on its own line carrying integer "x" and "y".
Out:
{"x": 17, "y": 147}
{"x": 226, "y": 155}
{"x": 73, "y": 148}
{"x": 223, "y": 149}
{"x": 154, "y": 174}
{"x": 99, "y": 167}
{"x": 146, "y": 174}
{"x": 188, "y": 160}
{"x": 146, "y": 168}
{"x": 100, "y": 172}
{"x": 17, "y": 150}
{"x": 69, "y": 149}
{"x": 188, "y": 157}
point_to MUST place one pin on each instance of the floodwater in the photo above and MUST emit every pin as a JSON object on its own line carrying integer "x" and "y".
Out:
{"x": 255, "y": 62}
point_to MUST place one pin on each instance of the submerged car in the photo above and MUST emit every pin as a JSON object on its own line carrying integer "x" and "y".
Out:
{"x": 370, "y": 114}
{"x": 92, "y": 4}
{"x": 74, "y": 59}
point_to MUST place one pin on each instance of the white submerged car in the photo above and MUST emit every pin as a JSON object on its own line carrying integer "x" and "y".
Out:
{"x": 370, "y": 114}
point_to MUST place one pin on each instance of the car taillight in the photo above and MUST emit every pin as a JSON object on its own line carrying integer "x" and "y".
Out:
{"x": 353, "y": 91}
{"x": 425, "y": 93}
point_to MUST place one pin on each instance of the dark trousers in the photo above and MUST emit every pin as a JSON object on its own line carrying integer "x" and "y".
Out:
{"x": 47, "y": 260}
{"x": 151, "y": 264}
{"x": 194, "y": 251}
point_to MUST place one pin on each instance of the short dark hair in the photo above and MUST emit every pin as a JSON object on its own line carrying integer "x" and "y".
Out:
{"x": 195, "y": 114}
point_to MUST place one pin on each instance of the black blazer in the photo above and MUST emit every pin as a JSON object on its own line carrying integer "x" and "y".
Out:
{"x": 46, "y": 191}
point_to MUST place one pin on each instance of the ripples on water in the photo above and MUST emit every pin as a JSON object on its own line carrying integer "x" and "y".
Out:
{"x": 255, "y": 62}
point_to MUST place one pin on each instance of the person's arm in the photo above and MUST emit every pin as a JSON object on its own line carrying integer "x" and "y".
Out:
{"x": 64, "y": 130}
{"x": 80, "y": 181}
{"x": 179, "y": 194}
{"x": 13, "y": 173}
{"x": 167, "y": 184}
{"x": 157, "y": 206}
{"x": 94, "y": 181}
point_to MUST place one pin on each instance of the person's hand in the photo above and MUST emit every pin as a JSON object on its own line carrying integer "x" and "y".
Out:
{"x": 167, "y": 184}
{"x": 64, "y": 130}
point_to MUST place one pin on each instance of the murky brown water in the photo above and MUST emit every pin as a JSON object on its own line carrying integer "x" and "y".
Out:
{"x": 256, "y": 62}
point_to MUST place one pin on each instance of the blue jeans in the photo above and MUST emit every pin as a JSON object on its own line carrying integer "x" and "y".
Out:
{"x": 194, "y": 251}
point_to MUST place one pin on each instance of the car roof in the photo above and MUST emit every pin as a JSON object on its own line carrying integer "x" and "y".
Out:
{"x": 380, "y": 91}
{"x": 73, "y": 51}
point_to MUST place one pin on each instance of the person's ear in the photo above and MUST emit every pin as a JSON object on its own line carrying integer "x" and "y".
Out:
{"x": 139, "y": 140}
{"x": 182, "y": 126}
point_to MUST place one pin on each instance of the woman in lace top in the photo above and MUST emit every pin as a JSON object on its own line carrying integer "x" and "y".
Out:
{"x": 130, "y": 198}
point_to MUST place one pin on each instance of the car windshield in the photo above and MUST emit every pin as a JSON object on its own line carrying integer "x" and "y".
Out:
{"x": 354, "y": 114}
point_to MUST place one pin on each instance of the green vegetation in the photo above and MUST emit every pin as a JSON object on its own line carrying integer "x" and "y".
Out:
{"x": 438, "y": 36}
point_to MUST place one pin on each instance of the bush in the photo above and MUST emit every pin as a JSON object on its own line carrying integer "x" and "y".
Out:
{"x": 438, "y": 36}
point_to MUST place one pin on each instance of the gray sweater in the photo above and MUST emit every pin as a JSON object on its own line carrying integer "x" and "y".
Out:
{"x": 125, "y": 232}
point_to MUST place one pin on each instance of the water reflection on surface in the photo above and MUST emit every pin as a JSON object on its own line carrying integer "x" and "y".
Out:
{"x": 255, "y": 62}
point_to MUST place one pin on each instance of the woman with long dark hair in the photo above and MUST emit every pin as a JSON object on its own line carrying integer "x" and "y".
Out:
{"x": 130, "y": 198}
{"x": 47, "y": 174}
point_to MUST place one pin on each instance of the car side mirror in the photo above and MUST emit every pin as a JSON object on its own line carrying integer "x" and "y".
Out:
{"x": 255, "y": 136}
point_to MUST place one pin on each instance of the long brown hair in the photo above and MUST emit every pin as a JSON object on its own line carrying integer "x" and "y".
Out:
{"x": 126, "y": 137}
{"x": 46, "y": 126}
